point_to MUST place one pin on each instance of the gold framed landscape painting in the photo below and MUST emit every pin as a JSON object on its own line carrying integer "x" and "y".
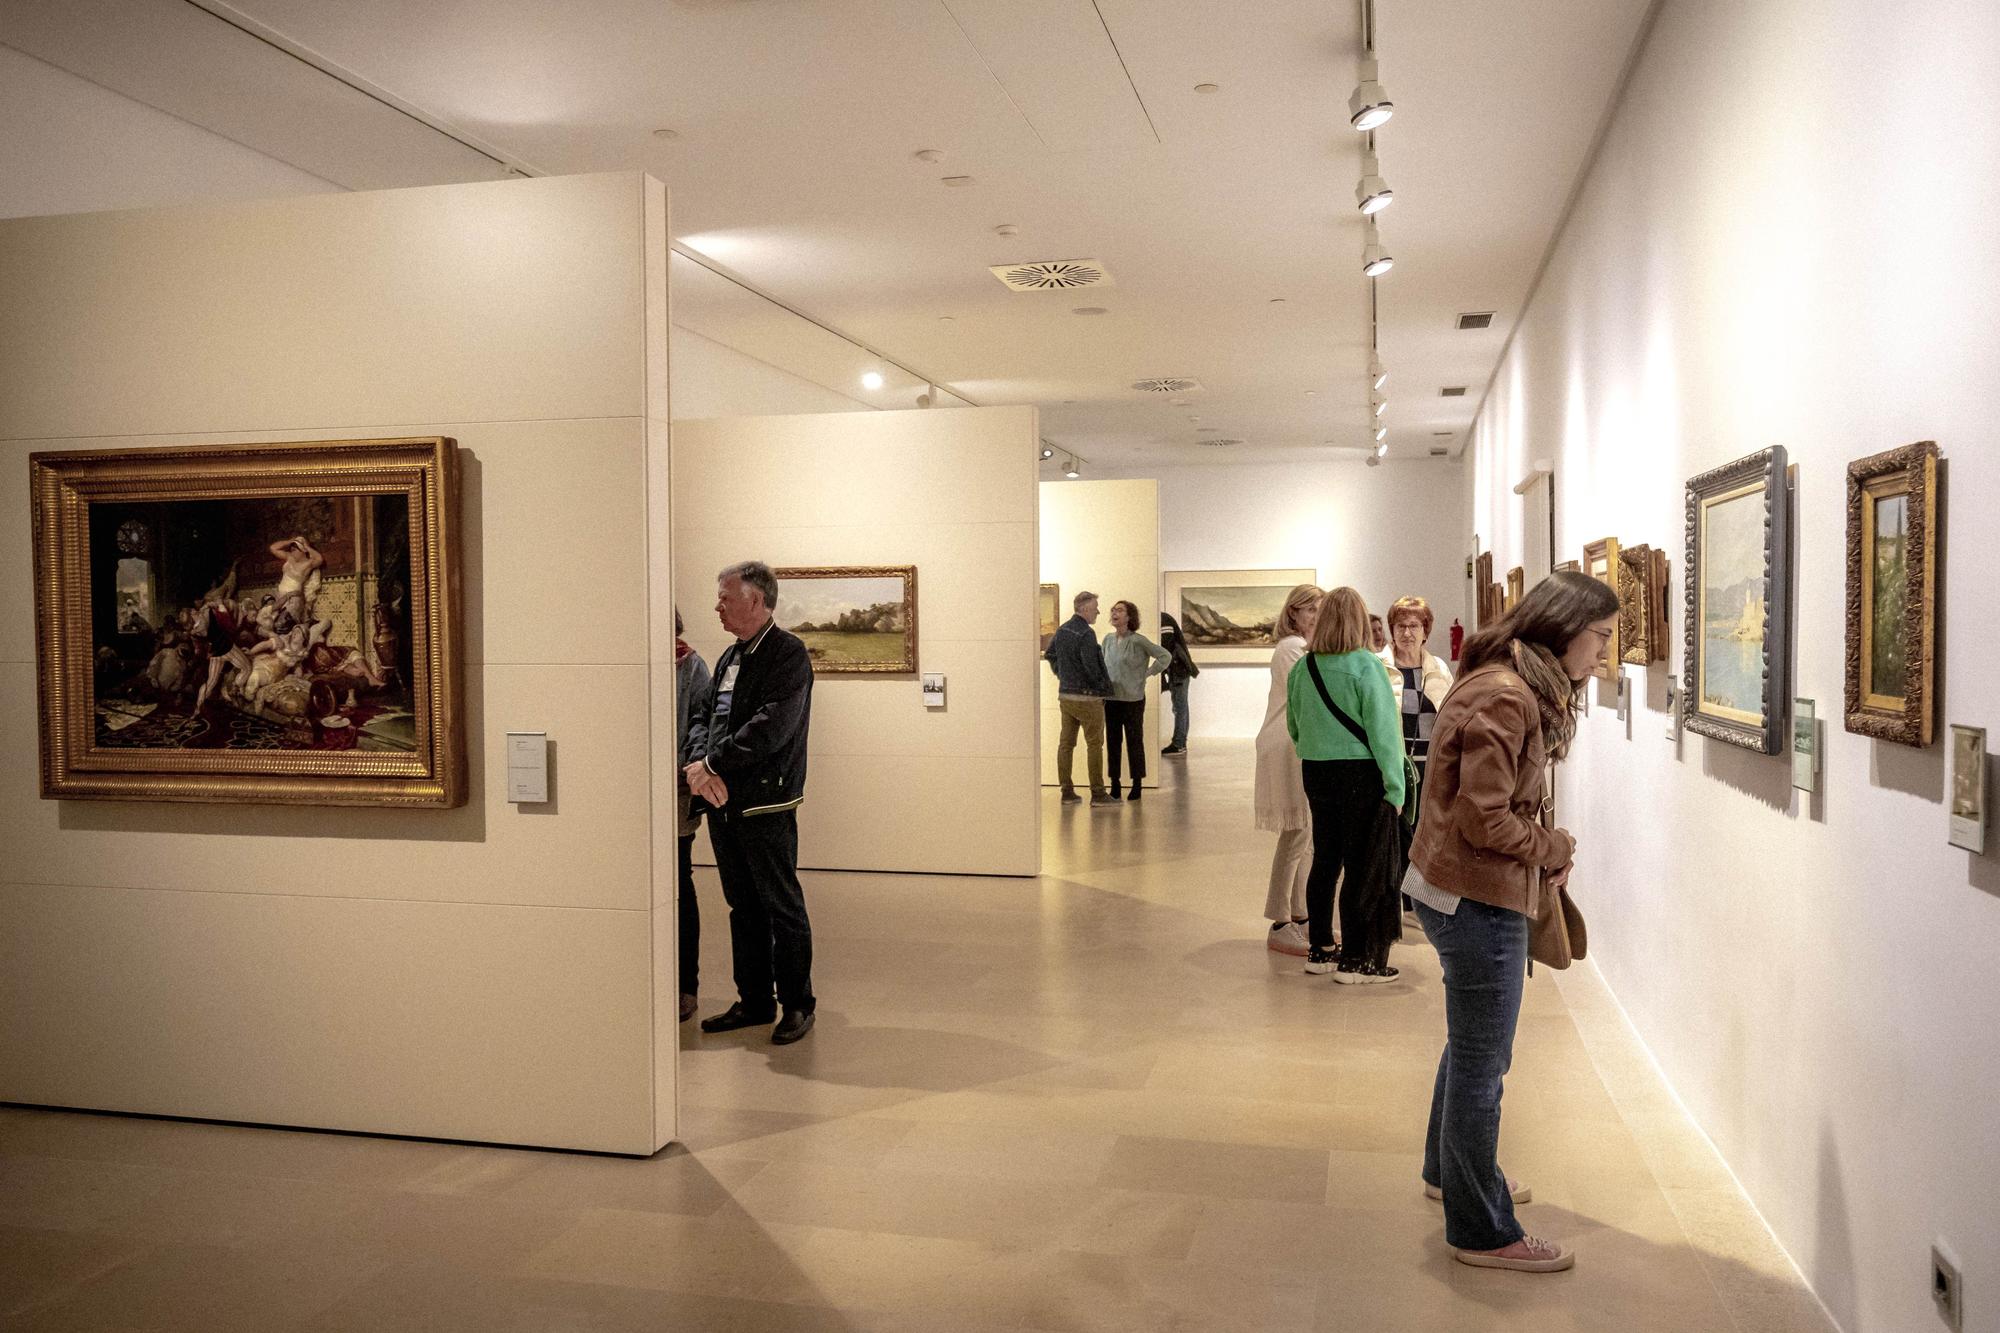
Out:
{"x": 1048, "y": 612}
{"x": 855, "y": 620}
{"x": 1227, "y": 615}
{"x": 1892, "y": 593}
{"x": 263, "y": 623}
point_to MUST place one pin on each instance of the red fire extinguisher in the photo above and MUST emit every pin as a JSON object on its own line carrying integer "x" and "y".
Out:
{"x": 1457, "y": 638}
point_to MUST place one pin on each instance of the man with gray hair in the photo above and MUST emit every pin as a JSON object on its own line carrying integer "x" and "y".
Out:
{"x": 747, "y": 734}
{"x": 1082, "y": 685}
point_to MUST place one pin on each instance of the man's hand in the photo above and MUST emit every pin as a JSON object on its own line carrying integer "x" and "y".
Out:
{"x": 705, "y": 784}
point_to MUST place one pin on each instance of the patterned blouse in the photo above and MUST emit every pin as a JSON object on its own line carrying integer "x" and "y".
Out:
{"x": 1419, "y": 713}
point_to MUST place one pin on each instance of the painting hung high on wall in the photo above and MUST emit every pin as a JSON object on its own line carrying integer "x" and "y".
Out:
{"x": 1048, "y": 612}
{"x": 1601, "y": 562}
{"x": 1892, "y": 593}
{"x": 853, "y": 619}
{"x": 261, "y": 623}
{"x": 1736, "y": 640}
{"x": 1227, "y": 615}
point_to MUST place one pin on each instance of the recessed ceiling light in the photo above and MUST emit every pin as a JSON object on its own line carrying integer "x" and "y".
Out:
{"x": 928, "y": 155}
{"x": 957, "y": 182}
{"x": 872, "y": 380}
{"x": 946, "y": 319}
{"x": 1312, "y": 393}
{"x": 1277, "y": 300}
{"x": 1208, "y": 87}
{"x": 1006, "y": 229}
{"x": 666, "y": 134}
{"x": 1090, "y": 310}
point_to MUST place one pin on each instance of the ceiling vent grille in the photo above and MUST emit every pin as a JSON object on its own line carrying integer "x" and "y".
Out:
{"x": 1452, "y": 391}
{"x": 1167, "y": 384}
{"x": 1440, "y": 453}
{"x": 1477, "y": 319}
{"x": 1055, "y": 275}
{"x": 1218, "y": 444}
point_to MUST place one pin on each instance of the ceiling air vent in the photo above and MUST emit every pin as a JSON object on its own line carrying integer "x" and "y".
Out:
{"x": 1440, "y": 453}
{"x": 1477, "y": 319}
{"x": 1218, "y": 444}
{"x": 1055, "y": 275}
{"x": 1166, "y": 384}
{"x": 1452, "y": 391}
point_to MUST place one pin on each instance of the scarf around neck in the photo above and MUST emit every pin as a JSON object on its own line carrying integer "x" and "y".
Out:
{"x": 1555, "y": 694}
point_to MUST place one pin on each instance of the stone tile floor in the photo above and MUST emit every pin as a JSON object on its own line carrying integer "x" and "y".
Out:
{"x": 1088, "y": 1101}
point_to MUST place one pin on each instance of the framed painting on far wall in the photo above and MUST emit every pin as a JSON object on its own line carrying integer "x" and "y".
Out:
{"x": 1642, "y": 605}
{"x": 1892, "y": 593}
{"x": 1736, "y": 645}
{"x": 855, "y": 620}
{"x": 1226, "y": 615}
{"x": 1048, "y": 612}
{"x": 1517, "y": 587}
{"x": 259, "y": 623}
{"x": 1482, "y": 588}
{"x": 1601, "y": 562}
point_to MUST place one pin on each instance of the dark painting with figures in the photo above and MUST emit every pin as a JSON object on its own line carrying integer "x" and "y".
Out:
{"x": 273, "y": 623}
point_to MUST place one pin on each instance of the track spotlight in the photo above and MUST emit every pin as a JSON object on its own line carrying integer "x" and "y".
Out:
{"x": 1381, "y": 431}
{"x": 1369, "y": 105}
{"x": 1373, "y": 193}
{"x": 1072, "y": 471}
{"x": 1375, "y": 260}
{"x": 1047, "y": 453}
{"x": 1377, "y": 375}
{"x": 1377, "y": 404}
{"x": 1381, "y": 450}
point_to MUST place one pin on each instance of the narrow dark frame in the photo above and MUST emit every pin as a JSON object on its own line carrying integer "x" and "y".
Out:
{"x": 1766, "y": 469}
{"x": 1914, "y": 468}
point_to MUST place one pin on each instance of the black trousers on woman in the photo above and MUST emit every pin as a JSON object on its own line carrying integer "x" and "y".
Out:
{"x": 1354, "y": 835}
{"x": 1125, "y": 722}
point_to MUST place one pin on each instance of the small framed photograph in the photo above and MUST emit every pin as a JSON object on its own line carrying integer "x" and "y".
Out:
{"x": 1968, "y": 788}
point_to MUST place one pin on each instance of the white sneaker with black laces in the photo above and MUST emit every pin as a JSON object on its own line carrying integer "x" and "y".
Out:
{"x": 1321, "y": 960}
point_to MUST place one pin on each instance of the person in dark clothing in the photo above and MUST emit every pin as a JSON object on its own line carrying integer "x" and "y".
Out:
{"x": 1176, "y": 680}
{"x": 1082, "y": 684}
{"x": 748, "y": 737}
{"x": 690, "y": 687}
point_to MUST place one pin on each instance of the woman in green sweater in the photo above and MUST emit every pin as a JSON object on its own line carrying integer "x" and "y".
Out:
{"x": 1345, "y": 725}
{"x": 1129, "y": 657}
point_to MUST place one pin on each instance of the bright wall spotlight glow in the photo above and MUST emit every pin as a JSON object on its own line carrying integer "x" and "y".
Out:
{"x": 1378, "y": 404}
{"x": 1369, "y": 105}
{"x": 872, "y": 380}
{"x": 1381, "y": 451}
{"x": 1373, "y": 193}
{"x": 1381, "y": 431}
{"x": 1047, "y": 453}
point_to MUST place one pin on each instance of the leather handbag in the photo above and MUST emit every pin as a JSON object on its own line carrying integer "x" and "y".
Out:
{"x": 1556, "y": 932}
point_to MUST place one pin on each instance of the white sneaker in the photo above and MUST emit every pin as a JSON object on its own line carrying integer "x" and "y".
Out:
{"x": 1289, "y": 938}
{"x": 1516, "y": 1191}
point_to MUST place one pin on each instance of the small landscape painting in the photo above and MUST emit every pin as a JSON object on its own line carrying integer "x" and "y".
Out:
{"x": 1733, "y": 573}
{"x": 1889, "y": 588}
{"x": 854, "y": 620}
{"x": 1048, "y": 612}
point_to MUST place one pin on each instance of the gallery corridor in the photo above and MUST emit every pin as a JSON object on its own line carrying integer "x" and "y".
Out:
{"x": 1088, "y": 1101}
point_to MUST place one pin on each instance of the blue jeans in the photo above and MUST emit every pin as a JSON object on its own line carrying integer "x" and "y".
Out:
{"x": 1178, "y": 693}
{"x": 1485, "y": 954}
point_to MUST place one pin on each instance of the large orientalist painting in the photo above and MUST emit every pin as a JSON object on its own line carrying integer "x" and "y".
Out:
{"x": 1048, "y": 612}
{"x": 1892, "y": 593}
{"x": 1736, "y": 640}
{"x": 271, "y": 623}
{"x": 1226, "y": 615}
{"x": 853, "y": 619}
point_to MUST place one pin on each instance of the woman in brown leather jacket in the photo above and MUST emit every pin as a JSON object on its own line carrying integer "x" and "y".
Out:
{"x": 1480, "y": 863}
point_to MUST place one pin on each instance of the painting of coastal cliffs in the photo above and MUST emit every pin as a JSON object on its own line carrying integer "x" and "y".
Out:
{"x": 1228, "y": 614}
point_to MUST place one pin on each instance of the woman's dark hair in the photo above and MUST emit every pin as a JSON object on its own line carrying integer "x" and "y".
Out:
{"x": 1554, "y": 612}
{"x": 1131, "y": 615}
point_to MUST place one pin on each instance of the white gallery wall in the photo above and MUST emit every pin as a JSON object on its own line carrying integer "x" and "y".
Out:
{"x": 1103, "y": 536}
{"x": 493, "y": 972}
{"x": 1788, "y": 240}
{"x": 1387, "y": 531}
{"x": 891, "y": 784}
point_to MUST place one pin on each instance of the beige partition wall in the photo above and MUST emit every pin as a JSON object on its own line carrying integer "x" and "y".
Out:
{"x": 892, "y": 785}
{"x": 486, "y": 973}
{"x": 1103, "y": 536}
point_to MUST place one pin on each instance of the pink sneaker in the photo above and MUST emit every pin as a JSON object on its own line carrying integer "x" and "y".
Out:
{"x": 1290, "y": 937}
{"x": 1530, "y": 1254}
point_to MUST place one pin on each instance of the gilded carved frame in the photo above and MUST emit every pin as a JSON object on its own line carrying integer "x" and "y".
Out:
{"x": 1642, "y": 605}
{"x": 1909, "y": 471}
{"x": 1765, "y": 474}
{"x": 906, "y": 662}
{"x": 74, "y": 767}
{"x": 1601, "y": 562}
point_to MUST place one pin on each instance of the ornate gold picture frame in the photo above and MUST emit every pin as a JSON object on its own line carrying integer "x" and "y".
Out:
{"x": 1892, "y": 593}
{"x": 1517, "y": 587}
{"x": 263, "y": 623}
{"x": 855, "y": 620}
{"x": 1482, "y": 587}
{"x": 1642, "y": 605}
{"x": 1601, "y": 562}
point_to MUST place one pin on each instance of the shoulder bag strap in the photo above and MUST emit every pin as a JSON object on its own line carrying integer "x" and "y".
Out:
{"x": 1319, "y": 683}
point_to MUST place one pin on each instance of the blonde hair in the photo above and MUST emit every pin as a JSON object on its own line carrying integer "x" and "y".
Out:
{"x": 1342, "y": 626}
{"x": 1297, "y": 602}
{"x": 1412, "y": 608}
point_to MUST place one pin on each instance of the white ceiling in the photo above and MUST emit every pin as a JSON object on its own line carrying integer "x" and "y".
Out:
{"x": 797, "y": 122}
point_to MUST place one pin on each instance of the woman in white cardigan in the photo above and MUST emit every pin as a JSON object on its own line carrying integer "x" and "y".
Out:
{"x": 1280, "y": 788}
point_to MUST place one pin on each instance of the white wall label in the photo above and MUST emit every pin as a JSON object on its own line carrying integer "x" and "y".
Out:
{"x": 527, "y": 767}
{"x": 1805, "y": 745}
{"x": 1968, "y": 788}
{"x": 933, "y": 689}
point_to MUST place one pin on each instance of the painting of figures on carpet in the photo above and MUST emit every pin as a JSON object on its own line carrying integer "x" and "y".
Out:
{"x": 854, "y": 620}
{"x": 230, "y": 615}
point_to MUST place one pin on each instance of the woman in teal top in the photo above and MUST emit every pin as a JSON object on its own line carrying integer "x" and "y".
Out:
{"x": 1353, "y": 771}
{"x": 1129, "y": 657}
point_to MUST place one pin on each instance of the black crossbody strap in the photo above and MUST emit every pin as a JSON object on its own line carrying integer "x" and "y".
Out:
{"x": 1319, "y": 683}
